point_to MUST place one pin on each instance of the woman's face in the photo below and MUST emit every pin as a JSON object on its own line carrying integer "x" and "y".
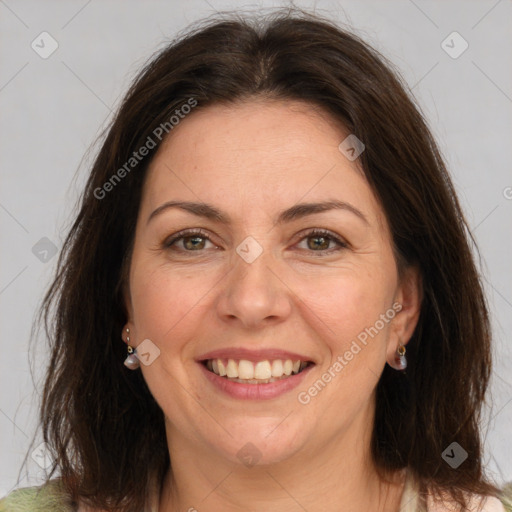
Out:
{"x": 258, "y": 284}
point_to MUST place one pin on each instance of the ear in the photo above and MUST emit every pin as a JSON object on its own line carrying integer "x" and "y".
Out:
{"x": 127, "y": 302}
{"x": 125, "y": 285}
{"x": 409, "y": 295}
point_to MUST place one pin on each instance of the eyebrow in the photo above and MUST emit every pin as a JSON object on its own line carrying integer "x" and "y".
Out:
{"x": 297, "y": 211}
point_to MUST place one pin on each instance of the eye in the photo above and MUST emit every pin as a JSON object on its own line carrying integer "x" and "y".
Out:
{"x": 195, "y": 240}
{"x": 191, "y": 240}
{"x": 319, "y": 241}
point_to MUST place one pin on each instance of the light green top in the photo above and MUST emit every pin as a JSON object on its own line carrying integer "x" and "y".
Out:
{"x": 51, "y": 497}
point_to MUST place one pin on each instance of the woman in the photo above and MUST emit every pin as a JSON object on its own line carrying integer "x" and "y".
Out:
{"x": 270, "y": 241}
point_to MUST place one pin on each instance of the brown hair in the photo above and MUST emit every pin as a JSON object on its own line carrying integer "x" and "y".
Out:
{"x": 100, "y": 420}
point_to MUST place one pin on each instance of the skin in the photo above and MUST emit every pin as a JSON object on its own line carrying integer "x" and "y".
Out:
{"x": 253, "y": 160}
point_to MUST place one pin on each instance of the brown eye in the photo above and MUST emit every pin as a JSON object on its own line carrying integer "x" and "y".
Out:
{"x": 320, "y": 241}
{"x": 193, "y": 242}
{"x": 187, "y": 241}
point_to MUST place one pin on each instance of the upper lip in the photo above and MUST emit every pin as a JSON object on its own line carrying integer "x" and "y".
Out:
{"x": 253, "y": 355}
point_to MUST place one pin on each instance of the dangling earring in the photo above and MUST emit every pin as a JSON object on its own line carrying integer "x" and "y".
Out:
{"x": 400, "y": 359}
{"x": 131, "y": 361}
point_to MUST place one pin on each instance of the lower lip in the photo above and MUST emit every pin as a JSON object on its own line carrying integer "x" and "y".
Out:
{"x": 255, "y": 391}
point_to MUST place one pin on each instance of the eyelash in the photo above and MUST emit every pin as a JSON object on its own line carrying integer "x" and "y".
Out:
{"x": 190, "y": 233}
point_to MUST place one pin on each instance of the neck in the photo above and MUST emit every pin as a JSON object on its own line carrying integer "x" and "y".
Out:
{"x": 340, "y": 476}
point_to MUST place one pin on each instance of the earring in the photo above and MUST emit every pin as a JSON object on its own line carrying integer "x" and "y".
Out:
{"x": 131, "y": 361}
{"x": 400, "y": 359}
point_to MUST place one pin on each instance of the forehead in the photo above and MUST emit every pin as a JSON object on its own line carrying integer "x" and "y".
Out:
{"x": 256, "y": 154}
{"x": 259, "y": 127}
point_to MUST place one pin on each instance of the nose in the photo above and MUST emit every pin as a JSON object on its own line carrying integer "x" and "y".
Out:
{"x": 254, "y": 296}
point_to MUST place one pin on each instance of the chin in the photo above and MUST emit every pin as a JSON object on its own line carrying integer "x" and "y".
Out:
{"x": 268, "y": 444}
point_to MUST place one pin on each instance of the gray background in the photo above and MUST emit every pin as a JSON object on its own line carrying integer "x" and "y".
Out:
{"x": 54, "y": 108}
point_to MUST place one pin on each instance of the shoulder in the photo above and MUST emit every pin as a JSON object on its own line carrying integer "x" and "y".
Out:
{"x": 487, "y": 504}
{"x": 478, "y": 503}
{"x": 412, "y": 502}
{"x": 49, "y": 497}
{"x": 506, "y": 496}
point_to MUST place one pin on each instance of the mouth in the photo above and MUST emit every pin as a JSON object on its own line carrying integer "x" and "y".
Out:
{"x": 265, "y": 371}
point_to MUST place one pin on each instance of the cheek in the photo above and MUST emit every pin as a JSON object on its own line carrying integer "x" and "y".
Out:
{"x": 346, "y": 304}
{"x": 166, "y": 302}
{"x": 166, "y": 309}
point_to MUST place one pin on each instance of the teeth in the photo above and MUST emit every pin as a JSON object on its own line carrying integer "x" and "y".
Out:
{"x": 257, "y": 373}
{"x": 246, "y": 370}
{"x": 222, "y": 368}
{"x": 258, "y": 381}
{"x": 262, "y": 370}
{"x": 232, "y": 369}
{"x": 277, "y": 368}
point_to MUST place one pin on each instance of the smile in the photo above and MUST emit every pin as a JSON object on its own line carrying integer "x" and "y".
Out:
{"x": 258, "y": 372}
